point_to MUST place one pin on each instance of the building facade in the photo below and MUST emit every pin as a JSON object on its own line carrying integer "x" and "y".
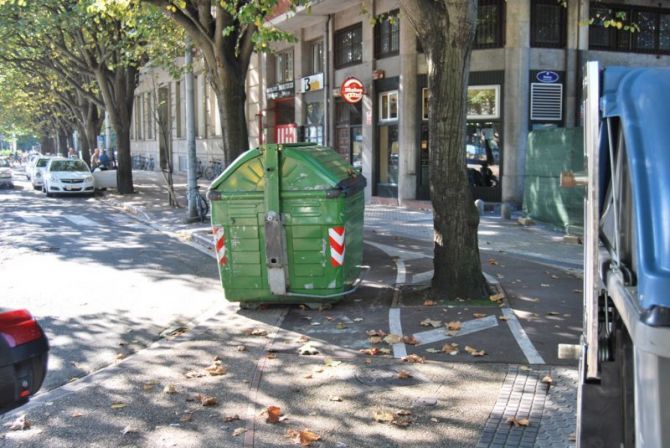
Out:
{"x": 525, "y": 74}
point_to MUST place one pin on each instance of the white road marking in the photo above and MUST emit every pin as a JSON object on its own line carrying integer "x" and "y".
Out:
{"x": 33, "y": 219}
{"x": 467, "y": 327}
{"x": 522, "y": 338}
{"x": 395, "y": 327}
{"x": 401, "y": 270}
{"x": 81, "y": 220}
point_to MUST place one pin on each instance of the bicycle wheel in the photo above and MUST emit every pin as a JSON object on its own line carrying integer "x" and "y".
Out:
{"x": 209, "y": 173}
{"x": 203, "y": 207}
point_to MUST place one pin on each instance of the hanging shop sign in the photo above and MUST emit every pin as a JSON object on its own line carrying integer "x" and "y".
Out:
{"x": 283, "y": 90}
{"x": 311, "y": 83}
{"x": 352, "y": 90}
{"x": 547, "y": 76}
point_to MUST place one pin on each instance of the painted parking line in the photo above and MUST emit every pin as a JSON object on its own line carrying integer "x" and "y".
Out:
{"x": 467, "y": 327}
{"x": 522, "y": 339}
{"x": 398, "y": 252}
{"x": 395, "y": 327}
{"x": 81, "y": 220}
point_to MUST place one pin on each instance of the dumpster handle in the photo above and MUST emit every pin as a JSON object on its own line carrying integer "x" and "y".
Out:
{"x": 356, "y": 284}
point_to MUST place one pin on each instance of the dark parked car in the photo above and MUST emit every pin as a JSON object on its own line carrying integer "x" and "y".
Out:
{"x": 23, "y": 358}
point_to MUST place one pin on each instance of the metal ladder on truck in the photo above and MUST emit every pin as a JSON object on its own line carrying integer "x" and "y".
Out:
{"x": 624, "y": 390}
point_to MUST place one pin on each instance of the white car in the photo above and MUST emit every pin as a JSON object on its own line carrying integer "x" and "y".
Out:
{"x": 5, "y": 174}
{"x": 66, "y": 176}
{"x": 37, "y": 172}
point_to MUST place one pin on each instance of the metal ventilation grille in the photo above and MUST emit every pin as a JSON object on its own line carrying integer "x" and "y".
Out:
{"x": 546, "y": 101}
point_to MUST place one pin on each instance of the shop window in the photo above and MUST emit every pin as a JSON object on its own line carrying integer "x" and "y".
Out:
{"x": 424, "y": 104}
{"x": 387, "y": 35}
{"x": 611, "y": 25}
{"x": 284, "y": 66}
{"x": 483, "y": 102}
{"x": 284, "y": 112}
{"x": 490, "y": 24}
{"x": 346, "y": 113}
{"x": 388, "y": 106}
{"x": 314, "y": 126}
{"x": 547, "y": 24}
{"x": 316, "y": 55}
{"x": 349, "y": 46}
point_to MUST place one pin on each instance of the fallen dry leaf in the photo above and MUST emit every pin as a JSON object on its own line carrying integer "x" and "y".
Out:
{"x": 373, "y": 351}
{"x": 194, "y": 374}
{"x": 497, "y": 297}
{"x": 545, "y": 285}
{"x": 256, "y": 332}
{"x": 119, "y": 356}
{"x": 382, "y": 416}
{"x": 169, "y": 389}
{"x": 340, "y": 326}
{"x": 385, "y": 351}
{"x": 308, "y": 350}
{"x": 20, "y": 424}
{"x": 409, "y": 340}
{"x": 239, "y": 431}
{"x": 503, "y": 318}
{"x": 216, "y": 369}
{"x": 271, "y": 355}
{"x": 393, "y": 339}
{"x": 118, "y": 405}
{"x": 431, "y": 323}
{"x": 479, "y": 315}
{"x": 186, "y": 417}
{"x": 207, "y": 400}
{"x": 130, "y": 430}
{"x": 329, "y": 317}
{"x": 76, "y": 414}
{"x": 241, "y": 348}
{"x": 402, "y": 421}
{"x": 379, "y": 333}
{"x": 518, "y": 422}
{"x": 432, "y": 350}
{"x": 358, "y": 319}
{"x": 334, "y": 398}
{"x": 547, "y": 380}
{"x": 404, "y": 375}
{"x": 429, "y": 302}
{"x": 450, "y": 348}
{"x": 473, "y": 351}
{"x": 492, "y": 261}
{"x": 330, "y": 362}
{"x": 231, "y": 418}
{"x": 308, "y": 376}
{"x": 149, "y": 385}
{"x": 454, "y": 325}
{"x": 413, "y": 358}
{"x": 303, "y": 339}
{"x": 375, "y": 340}
{"x": 303, "y": 438}
{"x": 274, "y": 414}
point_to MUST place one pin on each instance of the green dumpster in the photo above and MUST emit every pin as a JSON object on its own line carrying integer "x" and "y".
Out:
{"x": 287, "y": 222}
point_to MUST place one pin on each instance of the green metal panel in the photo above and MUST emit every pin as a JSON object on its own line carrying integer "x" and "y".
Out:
{"x": 551, "y": 151}
{"x": 315, "y": 191}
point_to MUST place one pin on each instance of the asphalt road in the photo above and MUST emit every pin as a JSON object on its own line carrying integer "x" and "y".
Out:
{"x": 101, "y": 284}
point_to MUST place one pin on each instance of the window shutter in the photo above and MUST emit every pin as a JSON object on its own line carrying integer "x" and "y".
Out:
{"x": 546, "y": 101}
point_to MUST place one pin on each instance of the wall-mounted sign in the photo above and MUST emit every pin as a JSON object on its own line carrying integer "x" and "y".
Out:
{"x": 311, "y": 83}
{"x": 352, "y": 90}
{"x": 547, "y": 76}
{"x": 283, "y": 90}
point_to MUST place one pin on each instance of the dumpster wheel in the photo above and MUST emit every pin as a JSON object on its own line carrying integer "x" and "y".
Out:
{"x": 252, "y": 306}
{"x": 319, "y": 306}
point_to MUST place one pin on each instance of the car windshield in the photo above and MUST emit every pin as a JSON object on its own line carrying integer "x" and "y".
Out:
{"x": 41, "y": 163}
{"x": 4, "y": 163}
{"x": 68, "y": 165}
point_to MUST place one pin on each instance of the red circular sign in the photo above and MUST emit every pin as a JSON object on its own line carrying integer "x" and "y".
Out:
{"x": 352, "y": 90}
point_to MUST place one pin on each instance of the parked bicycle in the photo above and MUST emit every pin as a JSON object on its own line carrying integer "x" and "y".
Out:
{"x": 213, "y": 170}
{"x": 201, "y": 204}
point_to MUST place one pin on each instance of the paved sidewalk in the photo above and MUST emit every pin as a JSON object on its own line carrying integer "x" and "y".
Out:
{"x": 450, "y": 400}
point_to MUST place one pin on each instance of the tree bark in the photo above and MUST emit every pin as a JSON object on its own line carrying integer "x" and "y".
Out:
{"x": 446, "y": 30}
{"x": 231, "y": 99}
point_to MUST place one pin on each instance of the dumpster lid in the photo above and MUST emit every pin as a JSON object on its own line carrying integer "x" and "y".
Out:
{"x": 303, "y": 166}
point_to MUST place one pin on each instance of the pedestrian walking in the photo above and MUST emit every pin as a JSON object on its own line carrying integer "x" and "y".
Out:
{"x": 95, "y": 158}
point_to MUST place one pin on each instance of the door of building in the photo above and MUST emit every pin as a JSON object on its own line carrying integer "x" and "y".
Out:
{"x": 423, "y": 181}
{"x": 388, "y": 157}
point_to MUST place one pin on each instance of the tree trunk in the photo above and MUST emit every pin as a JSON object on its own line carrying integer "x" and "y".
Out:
{"x": 62, "y": 142}
{"x": 446, "y": 30}
{"x": 83, "y": 144}
{"x": 231, "y": 99}
{"x": 118, "y": 89}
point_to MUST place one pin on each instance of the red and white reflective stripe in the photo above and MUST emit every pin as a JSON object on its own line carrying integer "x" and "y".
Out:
{"x": 336, "y": 238}
{"x": 220, "y": 245}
